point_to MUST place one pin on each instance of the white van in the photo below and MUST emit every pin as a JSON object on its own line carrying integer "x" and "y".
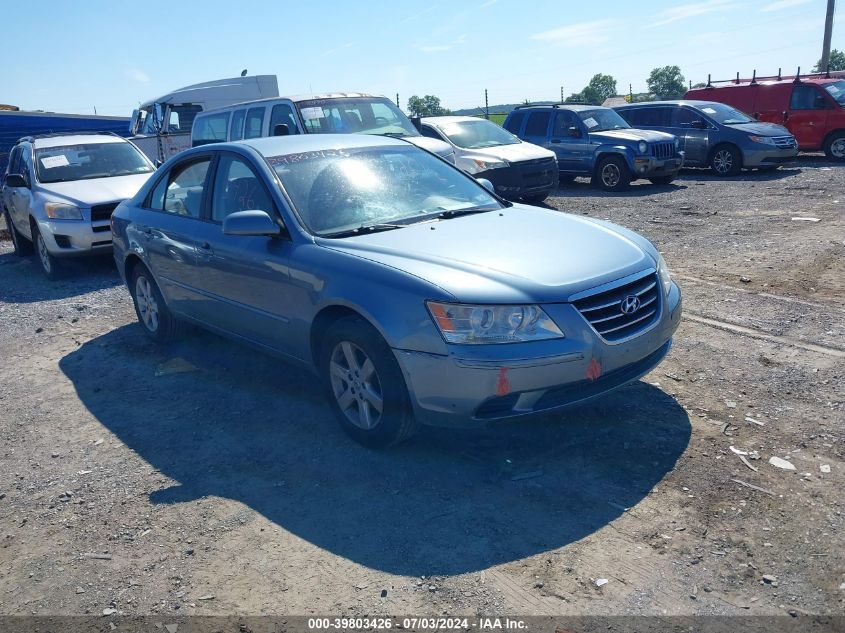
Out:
{"x": 332, "y": 113}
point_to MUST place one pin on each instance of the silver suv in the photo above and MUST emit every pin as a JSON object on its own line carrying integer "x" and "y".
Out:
{"x": 60, "y": 190}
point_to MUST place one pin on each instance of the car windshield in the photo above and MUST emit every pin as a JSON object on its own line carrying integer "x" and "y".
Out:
{"x": 89, "y": 160}
{"x": 344, "y": 192}
{"x": 725, "y": 114}
{"x": 602, "y": 119}
{"x": 837, "y": 91}
{"x": 362, "y": 115}
{"x": 477, "y": 134}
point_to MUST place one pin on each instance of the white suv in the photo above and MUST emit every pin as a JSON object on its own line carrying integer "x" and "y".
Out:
{"x": 60, "y": 190}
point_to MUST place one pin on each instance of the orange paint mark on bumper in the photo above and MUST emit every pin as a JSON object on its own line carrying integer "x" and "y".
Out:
{"x": 503, "y": 385}
{"x": 594, "y": 370}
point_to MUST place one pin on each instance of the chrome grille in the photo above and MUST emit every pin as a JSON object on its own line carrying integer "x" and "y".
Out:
{"x": 785, "y": 142}
{"x": 603, "y": 310}
{"x": 663, "y": 150}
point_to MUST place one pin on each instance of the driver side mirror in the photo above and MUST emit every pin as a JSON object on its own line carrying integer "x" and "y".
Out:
{"x": 573, "y": 131}
{"x": 251, "y": 223}
{"x": 16, "y": 180}
{"x": 281, "y": 129}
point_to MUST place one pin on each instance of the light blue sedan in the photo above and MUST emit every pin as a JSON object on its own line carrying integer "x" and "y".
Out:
{"x": 414, "y": 293}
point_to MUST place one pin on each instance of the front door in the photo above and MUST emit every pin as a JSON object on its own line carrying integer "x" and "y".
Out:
{"x": 694, "y": 131}
{"x": 807, "y": 115}
{"x": 245, "y": 278}
{"x": 570, "y": 143}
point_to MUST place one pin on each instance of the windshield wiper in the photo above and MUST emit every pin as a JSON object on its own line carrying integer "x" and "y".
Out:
{"x": 454, "y": 213}
{"x": 365, "y": 230}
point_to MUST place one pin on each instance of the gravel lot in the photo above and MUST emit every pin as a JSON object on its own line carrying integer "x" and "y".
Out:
{"x": 229, "y": 489}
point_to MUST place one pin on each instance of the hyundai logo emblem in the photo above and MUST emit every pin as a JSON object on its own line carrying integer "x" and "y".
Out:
{"x": 629, "y": 304}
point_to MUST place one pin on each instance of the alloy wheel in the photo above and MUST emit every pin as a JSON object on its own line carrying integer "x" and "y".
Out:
{"x": 355, "y": 385}
{"x": 610, "y": 175}
{"x": 43, "y": 255}
{"x": 147, "y": 304}
{"x": 837, "y": 148}
{"x": 723, "y": 161}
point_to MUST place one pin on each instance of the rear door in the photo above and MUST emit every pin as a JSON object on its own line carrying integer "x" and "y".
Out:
{"x": 807, "y": 116}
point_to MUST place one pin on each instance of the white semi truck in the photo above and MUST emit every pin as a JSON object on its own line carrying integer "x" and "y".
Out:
{"x": 162, "y": 127}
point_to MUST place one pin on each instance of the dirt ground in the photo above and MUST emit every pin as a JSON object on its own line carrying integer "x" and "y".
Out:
{"x": 129, "y": 485}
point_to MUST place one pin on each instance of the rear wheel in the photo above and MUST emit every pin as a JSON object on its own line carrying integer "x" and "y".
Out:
{"x": 50, "y": 265}
{"x": 22, "y": 245}
{"x": 662, "y": 180}
{"x": 725, "y": 160}
{"x": 365, "y": 384}
{"x": 153, "y": 314}
{"x": 612, "y": 174}
{"x": 834, "y": 146}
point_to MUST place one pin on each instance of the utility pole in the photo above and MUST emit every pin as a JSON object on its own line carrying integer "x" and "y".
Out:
{"x": 562, "y": 100}
{"x": 828, "y": 31}
{"x": 397, "y": 100}
{"x": 630, "y": 94}
{"x": 486, "y": 106}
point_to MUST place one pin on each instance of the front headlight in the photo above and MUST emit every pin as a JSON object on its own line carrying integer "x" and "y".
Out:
{"x": 62, "y": 211}
{"x": 677, "y": 143}
{"x": 486, "y": 324}
{"x": 766, "y": 140}
{"x": 489, "y": 163}
{"x": 643, "y": 147}
{"x": 663, "y": 273}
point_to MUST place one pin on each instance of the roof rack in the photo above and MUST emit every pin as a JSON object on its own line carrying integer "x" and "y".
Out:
{"x": 33, "y": 137}
{"x": 559, "y": 104}
{"x": 779, "y": 77}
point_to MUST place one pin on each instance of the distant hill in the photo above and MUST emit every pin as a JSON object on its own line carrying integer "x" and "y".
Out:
{"x": 503, "y": 108}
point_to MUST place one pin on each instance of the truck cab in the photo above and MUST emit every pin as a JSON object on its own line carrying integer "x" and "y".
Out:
{"x": 161, "y": 127}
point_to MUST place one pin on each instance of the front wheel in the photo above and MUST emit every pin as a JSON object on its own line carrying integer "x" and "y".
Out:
{"x": 50, "y": 265}
{"x": 365, "y": 384}
{"x": 22, "y": 245}
{"x": 662, "y": 180}
{"x": 613, "y": 174}
{"x": 834, "y": 146}
{"x": 153, "y": 314}
{"x": 726, "y": 161}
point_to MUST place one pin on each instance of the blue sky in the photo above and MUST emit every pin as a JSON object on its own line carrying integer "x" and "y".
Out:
{"x": 74, "y": 56}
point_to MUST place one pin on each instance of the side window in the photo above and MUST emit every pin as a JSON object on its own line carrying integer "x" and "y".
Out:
{"x": 430, "y": 132}
{"x": 685, "y": 117}
{"x": 156, "y": 199}
{"x": 237, "y": 131}
{"x": 211, "y": 128}
{"x": 237, "y": 188}
{"x": 538, "y": 123}
{"x": 650, "y": 117}
{"x": 563, "y": 121}
{"x": 183, "y": 194}
{"x": 254, "y": 119}
{"x": 182, "y": 118}
{"x": 515, "y": 122}
{"x": 282, "y": 113}
{"x": 807, "y": 98}
{"x": 15, "y": 161}
{"x": 26, "y": 164}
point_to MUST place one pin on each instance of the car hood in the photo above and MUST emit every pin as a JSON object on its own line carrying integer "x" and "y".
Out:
{"x": 512, "y": 153}
{"x": 631, "y": 134}
{"x": 761, "y": 129}
{"x": 86, "y": 193}
{"x": 441, "y": 148}
{"x": 518, "y": 254}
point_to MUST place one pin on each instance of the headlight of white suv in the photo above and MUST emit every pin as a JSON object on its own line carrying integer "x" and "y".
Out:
{"x": 663, "y": 273}
{"x": 486, "y": 324}
{"x": 62, "y": 211}
{"x": 490, "y": 163}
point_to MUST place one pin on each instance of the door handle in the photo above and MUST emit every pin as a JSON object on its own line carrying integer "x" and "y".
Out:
{"x": 205, "y": 246}
{"x": 555, "y": 140}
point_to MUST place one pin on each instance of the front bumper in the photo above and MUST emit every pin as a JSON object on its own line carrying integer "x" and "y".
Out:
{"x": 768, "y": 156}
{"x": 523, "y": 179}
{"x": 650, "y": 167}
{"x": 72, "y": 238}
{"x": 476, "y": 384}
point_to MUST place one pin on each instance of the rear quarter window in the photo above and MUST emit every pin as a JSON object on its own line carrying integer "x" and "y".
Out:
{"x": 513, "y": 124}
{"x": 211, "y": 128}
{"x": 538, "y": 124}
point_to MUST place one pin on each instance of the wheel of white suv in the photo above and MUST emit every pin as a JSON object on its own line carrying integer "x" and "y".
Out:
{"x": 50, "y": 265}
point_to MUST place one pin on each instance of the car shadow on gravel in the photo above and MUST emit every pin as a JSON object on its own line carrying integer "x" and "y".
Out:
{"x": 251, "y": 428}
{"x": 581, "y": 188}
{"x": 754, "y": 175}
{"x": 23, "y": 281}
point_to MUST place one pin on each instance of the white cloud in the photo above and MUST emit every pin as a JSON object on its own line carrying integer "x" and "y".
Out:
{"x": 440, "y": 48}
{"x": 489, "y": 3}
{"x": 782, "y": 4}
{"x": 581, "y": 34}
{"x": 138, "y": 75}
{"x": 696, "y": 9}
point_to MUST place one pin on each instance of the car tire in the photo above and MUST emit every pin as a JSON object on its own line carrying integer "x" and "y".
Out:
{"x": 153, "y": 314}
{"x": 662, "y": 180}
{"x": 538, "y": 199}
{"x": 612, "y": 174}
{"x": 50, "y": 264}
{"x": 361, "y": 374}
{"x": 834, "y": 146}
{"x": 22, "y": 245}
{"x": 725, "y": 160}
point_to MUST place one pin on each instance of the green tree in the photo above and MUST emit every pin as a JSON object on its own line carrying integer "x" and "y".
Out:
{"x": 601, "y": 87}
{"x": 575, "y": 97}
{"x": 667, "y": 82}
{"x": 700, "y": 84}
{"x": 428, "y": 105}
{"x": 837, "y": 62}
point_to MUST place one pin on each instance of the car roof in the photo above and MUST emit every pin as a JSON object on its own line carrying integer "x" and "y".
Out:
{"x": 295, "y": 99}
{"x": 296, "y": 143}
{"x": 562, "y": 106}
{"x": 695, "y": 103}
{"x": 74, "y": 139}
{"x": 443, "y": 120}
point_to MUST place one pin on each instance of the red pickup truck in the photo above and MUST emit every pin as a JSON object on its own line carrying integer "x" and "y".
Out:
{"x": 811, "y": 108}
